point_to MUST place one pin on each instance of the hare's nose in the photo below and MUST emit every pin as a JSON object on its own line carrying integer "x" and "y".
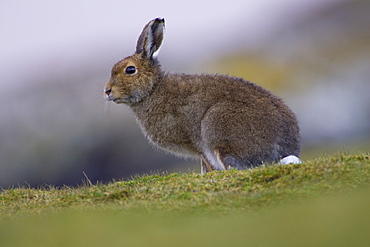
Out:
{"x": 107, "y": 94}
{"x": 107, "y": 91}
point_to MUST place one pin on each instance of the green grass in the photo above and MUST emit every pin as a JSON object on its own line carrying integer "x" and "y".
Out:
{"x": 323, "y": 202}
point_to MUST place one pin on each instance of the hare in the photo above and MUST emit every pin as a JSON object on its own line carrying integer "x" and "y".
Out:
{"x": 225, "y": 121}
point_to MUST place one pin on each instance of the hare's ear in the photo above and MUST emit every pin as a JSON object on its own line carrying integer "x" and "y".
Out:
{"x": 151, "y": 38}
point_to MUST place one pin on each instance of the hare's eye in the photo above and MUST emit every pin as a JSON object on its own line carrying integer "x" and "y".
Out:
{"x": 131, "y": 70}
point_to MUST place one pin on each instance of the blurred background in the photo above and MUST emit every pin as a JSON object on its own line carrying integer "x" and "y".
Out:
{"x": 55, "y": 58}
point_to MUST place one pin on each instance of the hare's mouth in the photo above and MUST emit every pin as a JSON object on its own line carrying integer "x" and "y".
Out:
{"x": 109, "y": 97}
{"x": 120, "y": 101}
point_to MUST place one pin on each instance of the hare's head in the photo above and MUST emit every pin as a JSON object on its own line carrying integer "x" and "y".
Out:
{"x": 133, "y": 78}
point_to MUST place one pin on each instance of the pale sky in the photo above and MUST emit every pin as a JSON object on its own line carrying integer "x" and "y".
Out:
{"x": 35, "y": 34}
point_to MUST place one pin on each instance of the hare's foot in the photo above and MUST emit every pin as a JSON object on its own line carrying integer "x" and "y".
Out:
{"x": 291, "y": 159}
{"x": 205, "y": 167}
{"x": 212, "y": 161}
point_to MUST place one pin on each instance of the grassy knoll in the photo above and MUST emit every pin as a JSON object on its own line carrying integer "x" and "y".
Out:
{"x": 323, "y": 202}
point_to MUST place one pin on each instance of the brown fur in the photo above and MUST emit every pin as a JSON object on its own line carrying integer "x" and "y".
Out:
{"x": 226, "y": 121}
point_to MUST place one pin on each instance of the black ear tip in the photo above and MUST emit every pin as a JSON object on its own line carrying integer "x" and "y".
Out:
{"x": 160, "y": 20}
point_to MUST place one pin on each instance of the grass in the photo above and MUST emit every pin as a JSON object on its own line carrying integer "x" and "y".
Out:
{"x": 323, "y": 202}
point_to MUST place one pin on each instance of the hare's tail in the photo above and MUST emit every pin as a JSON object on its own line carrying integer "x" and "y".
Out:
{"x": 291, "y": 159}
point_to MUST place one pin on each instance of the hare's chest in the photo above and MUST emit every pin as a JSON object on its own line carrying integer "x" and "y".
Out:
{"x": 167, "y": 131}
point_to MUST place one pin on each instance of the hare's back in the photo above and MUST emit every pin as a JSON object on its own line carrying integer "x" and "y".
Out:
{"x": 209, "y": 90}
